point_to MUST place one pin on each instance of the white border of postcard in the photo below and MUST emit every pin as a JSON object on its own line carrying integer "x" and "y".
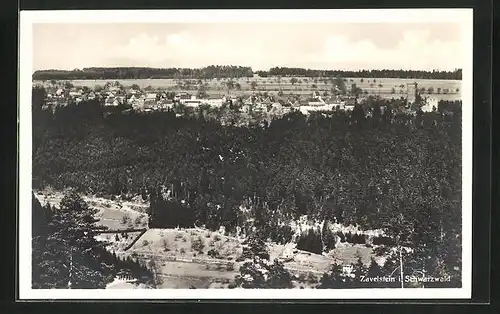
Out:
{"x": 28, "y": 18}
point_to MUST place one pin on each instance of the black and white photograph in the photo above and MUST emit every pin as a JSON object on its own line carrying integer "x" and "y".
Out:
{"x": 304, "y": 154}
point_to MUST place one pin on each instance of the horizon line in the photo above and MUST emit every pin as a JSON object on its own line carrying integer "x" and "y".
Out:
{"x": 253, "y": 70}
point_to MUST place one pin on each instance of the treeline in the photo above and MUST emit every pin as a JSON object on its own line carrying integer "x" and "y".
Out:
{"x": 213, "y": 71}
{"x": 318, "y": 242}
{"x": 218, "y": 71}
{"x": 400, "y": 74}
{"x": 65, "y": 253}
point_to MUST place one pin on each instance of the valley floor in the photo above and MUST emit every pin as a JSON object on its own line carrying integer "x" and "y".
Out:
{"x": 184, "y": 257}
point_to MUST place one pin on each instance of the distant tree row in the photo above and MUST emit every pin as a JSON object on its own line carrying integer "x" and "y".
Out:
{"x": 385, "y": 73}
{"x": 209, "y": 72}
{"x": 218, "y": 71}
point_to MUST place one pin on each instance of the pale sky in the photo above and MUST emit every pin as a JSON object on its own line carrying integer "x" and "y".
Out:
{"x": 332, "y": 46}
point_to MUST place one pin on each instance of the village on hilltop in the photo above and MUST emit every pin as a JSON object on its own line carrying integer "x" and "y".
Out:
{"x": 269, "y": 102}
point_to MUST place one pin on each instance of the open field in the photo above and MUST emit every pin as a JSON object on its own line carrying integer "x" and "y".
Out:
{"x": 173, "y": 249}
{"x": 385, "y": 87}
{"x": 114, "y": 214}
{"x": 187, "y": 243}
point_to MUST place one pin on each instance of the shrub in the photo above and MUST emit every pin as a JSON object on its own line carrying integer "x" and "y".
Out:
{"x": 197, "y": 244}
{"x": 164, "y": 244}
{"x": 342, "y": 236}
{"x": 382, "y": 240}
{"x": 281, "y": 234}
{"x": 183, "y": 251}
{"x": 213, "y": 253}
{"x": 310, "y": 242}
{"x": 145, "y": 243}
{"x": 301, "y": 277}
{"x": 311, "y": 278}
{"x": 217, "y": 238}
{"x": 125, "y": 219}
{"x": 138, "y": 220}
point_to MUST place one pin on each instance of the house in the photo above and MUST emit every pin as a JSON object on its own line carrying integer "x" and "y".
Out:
{"x": 192, "y": 103}
{"x": 91, "y": 95}
{"x": 248, "y": 101}
{"x": 315, "y": 103}
{"x": 348, "y": 107}
{"x": 266, "y": 101}
{"x": 214, "y": 102}
{"x": 307, "y": 109}
{"x": 115, "y": 89}
{"x": 316, "y": 100}
{"x": 246, "y": 108}
{"x": 137, "y": 106}
{"x": 181, "y": 97}
{"x": 347, "y": 270}
{"x": 111, "y": 101}
{"x": 60, "y": 92}
{"x": 166, "y": 104}
{"x": 75, "y": 94}
{"x": 276, "y": 107}
{"x": 430, "y": 104}
{"x": 150, "y": 99}
{"x": 121, "y": 99}
{"x": 132, "y": 99}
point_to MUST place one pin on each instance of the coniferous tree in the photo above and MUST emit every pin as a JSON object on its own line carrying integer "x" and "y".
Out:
{"x": 333, "y": 279}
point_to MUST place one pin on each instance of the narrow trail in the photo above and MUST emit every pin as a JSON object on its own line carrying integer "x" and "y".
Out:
{"x": 135, "y": 240}
{"x": 211, "y": 261}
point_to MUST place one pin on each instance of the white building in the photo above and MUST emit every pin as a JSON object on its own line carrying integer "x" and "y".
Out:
{"x": 60, "y": 92}
{"x": 317, "y": 101}
{"x": 307, "y": 109}
{"x": 429, "y": 105}
{"x": 75, "y": 94}
{"x": 192, "y": 103}
{"x": 349, "y": 107}
{"x": 214, "y": 102}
